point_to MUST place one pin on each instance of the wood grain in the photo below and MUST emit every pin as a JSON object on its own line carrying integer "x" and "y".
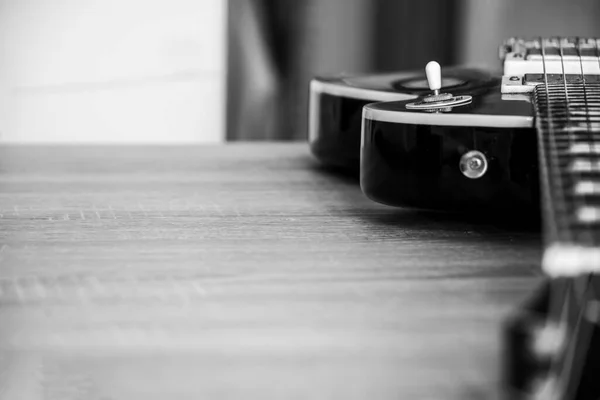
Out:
{"x": 240, "y": 271}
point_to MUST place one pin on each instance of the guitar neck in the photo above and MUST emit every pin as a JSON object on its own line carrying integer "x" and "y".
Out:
{"x": 568, "y": 125}
{"x": 563, "y": 75}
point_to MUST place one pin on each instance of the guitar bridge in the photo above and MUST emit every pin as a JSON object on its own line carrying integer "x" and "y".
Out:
{"x": 560, "y": 59}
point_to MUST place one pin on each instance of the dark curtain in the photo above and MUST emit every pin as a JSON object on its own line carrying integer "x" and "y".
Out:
{"x": 409, "y": 34}
{"x": 276, "y": 46}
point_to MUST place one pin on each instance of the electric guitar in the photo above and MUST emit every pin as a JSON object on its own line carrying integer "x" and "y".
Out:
{"x": 528, "y": 137}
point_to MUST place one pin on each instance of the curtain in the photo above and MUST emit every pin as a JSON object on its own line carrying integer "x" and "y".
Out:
{"x": 276, "y": 46}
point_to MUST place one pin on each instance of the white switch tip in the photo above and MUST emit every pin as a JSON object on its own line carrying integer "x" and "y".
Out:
{"x": 434, "y": 75}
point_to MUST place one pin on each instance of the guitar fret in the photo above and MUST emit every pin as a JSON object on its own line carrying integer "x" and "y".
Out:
{"x": 588, "y": 214}
{"x": 585, "y": 168}
{"x": 559, "y": 91}
{"x": 590, "y": 105}
{"x": 585, "y": 148}
{"x": 573, "y": 134}
{"x": 565, "y": 146}
{"x": 588, "y": 117}
{"x": 574, "y": 107}
{"x": 559, "y": 88}
{"x": 587, "y": 187}
{"x": 567, "y": 108}
{"x": 553, "y": 112}
{"x": 573, "y": 93}
{"x": 581, "y": 165}
{"x": 575, "y": 98}
{"x": 575, "y": 127}
{"x": 580, "y": 101}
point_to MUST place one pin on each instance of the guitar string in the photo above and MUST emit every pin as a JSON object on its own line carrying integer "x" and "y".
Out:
{"x": 578, "y": 296}
{"x": 562, "y": 364}
{"x": 581, "y": 336}
{"x": 551, "y": 145}
{"x": 586, "y": 232}
{"x": 562, "y": 287}
{"x": 596, "y": 144}
{"x": 590, "y": 134}
{"x": 565, "y": 130}
{"x": 571, "y": 366}
{"x": 556, "y": 304}
{"x": 571, "y": 361}
{"x": 595, "y": 158}
{"x": 542, "y": 141}
{"x": 567, "y": 109}
{"x": 577, "y": 202}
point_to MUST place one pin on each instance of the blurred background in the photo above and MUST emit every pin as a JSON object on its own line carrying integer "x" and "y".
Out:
{"x": 208, "y": 71}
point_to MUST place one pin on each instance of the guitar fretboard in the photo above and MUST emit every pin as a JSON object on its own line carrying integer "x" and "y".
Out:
{"x": 568, "y": 125}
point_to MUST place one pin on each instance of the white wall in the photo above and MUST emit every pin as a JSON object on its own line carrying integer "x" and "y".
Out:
{"x": 112, "y": 70}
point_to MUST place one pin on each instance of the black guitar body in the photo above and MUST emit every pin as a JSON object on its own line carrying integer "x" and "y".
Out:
{"x": 336, "y": 106}
{"x": 336, "y": 141}
{"x": 418, "y": 165}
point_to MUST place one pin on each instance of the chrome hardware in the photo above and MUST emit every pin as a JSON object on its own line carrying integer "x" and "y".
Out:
{"x": 437, "y": 102}
{"x": 473, "y": 164}
{"x": 554, "y": 48}
{"x": 525, "y": 61}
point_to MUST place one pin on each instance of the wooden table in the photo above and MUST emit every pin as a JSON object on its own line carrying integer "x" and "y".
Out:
{"x": 240, "y": 272}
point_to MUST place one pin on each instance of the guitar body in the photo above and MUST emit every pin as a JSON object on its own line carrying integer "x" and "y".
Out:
{"x": 413, "y": 158}
{"x": 336, "y": 105}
